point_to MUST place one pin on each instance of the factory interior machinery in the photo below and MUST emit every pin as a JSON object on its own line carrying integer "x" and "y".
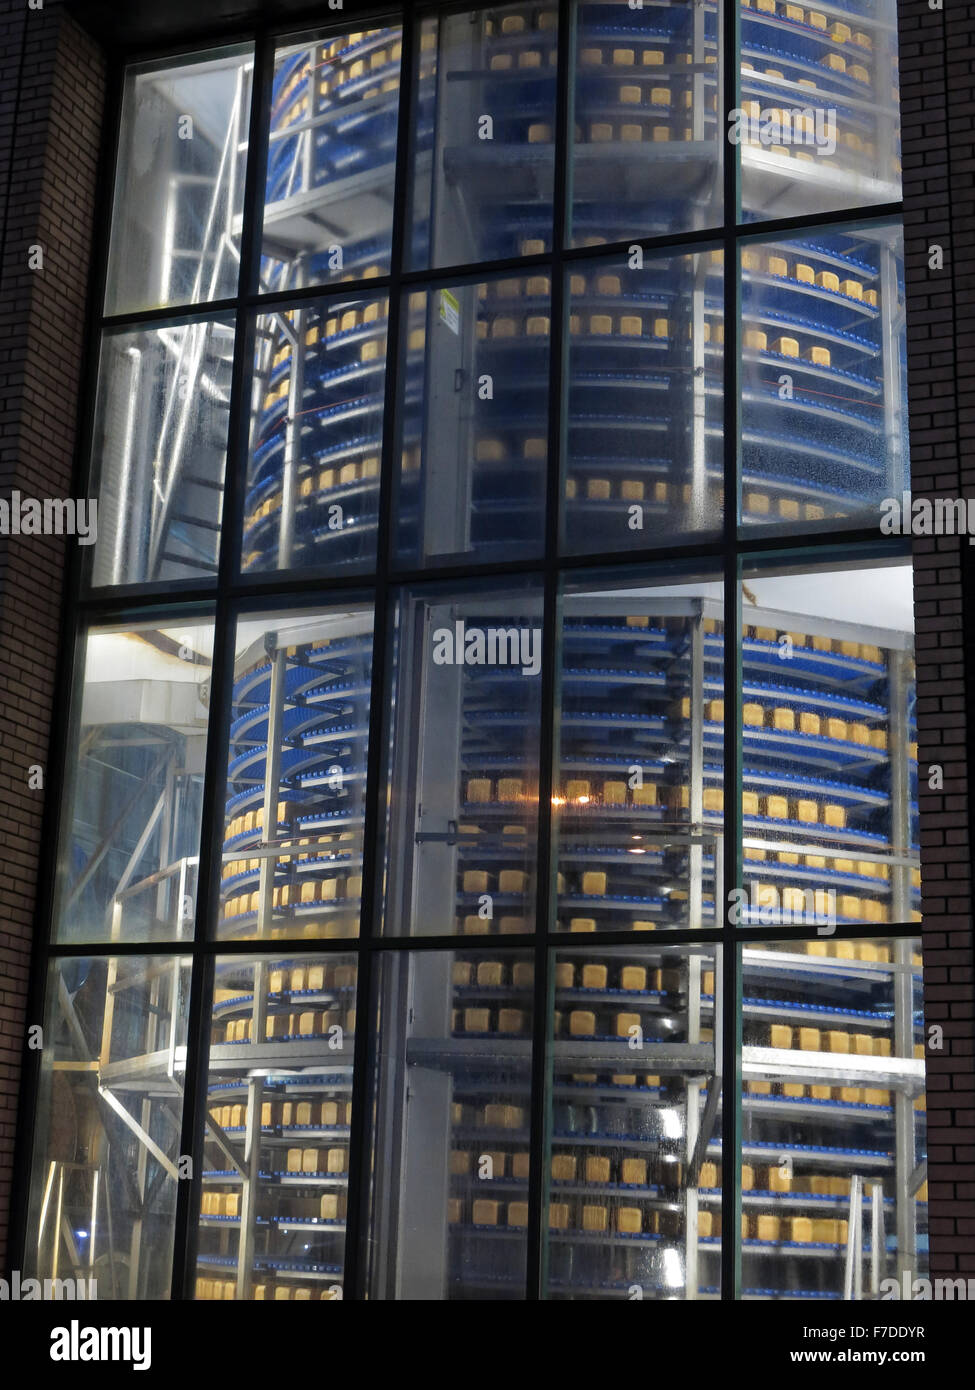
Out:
{"x": 832, "y": 1167}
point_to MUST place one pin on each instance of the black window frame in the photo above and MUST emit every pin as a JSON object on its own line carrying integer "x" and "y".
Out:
{"x": 232, "y": 594}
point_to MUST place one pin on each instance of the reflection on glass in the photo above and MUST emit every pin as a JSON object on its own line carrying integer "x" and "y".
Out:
{"x": 829, "y": 748}
{"x": 823, "y": 379}
{"x": 328, "y": 199}
{"x": 130, "y": 833}
{"x": 455, "y": 1043}
{"x": 833, "y": 1119}
{"x": 644, "y": 428}
{"x": 647, "y": 140}
{"x": 276, "y": 1148}
{"x": 634, "y": 1180}
{"x": 108, "y": 1114}
{"x": 475, "y": 421}
{"x": 463, "y": 813}
{"x": 484, "y": 145}
{"x": 638, "y": 801}
{"x": 819, "y": 127}
{"x": 159, "y": 451}
{"x": 312, "y": 496}
{"x": 292, "y": 856}
{"x": 179, "y": 192}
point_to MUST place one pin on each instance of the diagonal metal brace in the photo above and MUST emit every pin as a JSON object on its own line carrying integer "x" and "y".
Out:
{"x": 224, "y": 1144}
{"x": 138, "y": 1131}
{"x": 705, "y": 1132}
{"x": 919, "y": 1176}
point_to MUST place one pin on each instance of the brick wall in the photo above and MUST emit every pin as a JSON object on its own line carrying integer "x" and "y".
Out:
{"x": 51, "y": 97}
{"x": 937, "y": 100}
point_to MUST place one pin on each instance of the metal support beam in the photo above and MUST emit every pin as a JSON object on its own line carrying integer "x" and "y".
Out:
{"x": 904, "y": 1132}
{"x": 123, "y": 818}
{"x": 854, "y": 1248}
{"x": 255, "y": 1084}
{"x": 143, "y": 1138}
{"x": 224, "y": 1144}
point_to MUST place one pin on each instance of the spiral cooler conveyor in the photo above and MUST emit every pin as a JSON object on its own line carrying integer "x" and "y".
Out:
{"x": 826, "y": 809}
{"x": 822, "y": 312}
{"x": 833, "y": 1118}
{"x": 283, "y": 1032}
{"x": 296, "y": 776}
{"x": 831, "y": 1029}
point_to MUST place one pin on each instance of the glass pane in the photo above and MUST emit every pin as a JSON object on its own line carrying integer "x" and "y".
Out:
{"x": 130, "y": 833}
{"x": 316, "y": 436}
{"x": 634, "y": 1182}
{"x": 638, "y": 798}
{"x": 474, "y": 410}
{"x": 829, "y": 777}
{"x": 643, "y": 459}
{"x": 299, "y": 741}
{"x": 833, "y": 1119}
{"x": 462, "y": 812}
{"x": 483, "y": 152}
{"x": 455, "y": 1043}
{"x": 159, "y": 452}
{"x": 279, "y": 1107}
{"x": 108, "y": 1114}
{"x": 646, "y": 157}
{"x": 179, "y": 191}
{"x": 819, "y": 122}
{"x": 328, "y": 198}
{"x": 823, "y": 380}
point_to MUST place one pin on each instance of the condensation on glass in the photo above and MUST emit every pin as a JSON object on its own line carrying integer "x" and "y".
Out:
{"x": 312, "y": 494}
{"x": 474, "y": 421}
{"x": 647, "y": 115}
{"x": 179, "y": 192}
{"x": 818, "y": 124}
{"x": 483, "y": 151}
{"x": 462, "y": 808}
{"x": 829, "y": 747}
{"x": 643, "y": 416}
{"x": 130, "y": 831}
{"x": 824, "y": 430}
{"x": 159, "y": 452}
{"x": 834, "y": 1134}
{"x": 328, "y": 194}
{"x": 638, "y": 796}
{"x": 108, "y": 1114}
{"x": 634, "y": 1148}
{"x": 296, "y": 775}
{"x": 275, "y": 1174}
{"x": 452, "y": 1101}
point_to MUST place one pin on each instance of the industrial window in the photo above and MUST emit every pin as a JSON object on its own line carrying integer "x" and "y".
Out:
{"x": 488, "y": 864}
